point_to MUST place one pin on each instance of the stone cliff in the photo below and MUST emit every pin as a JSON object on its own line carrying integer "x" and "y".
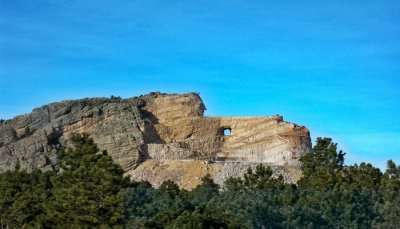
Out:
{"x": 156, "y": 137}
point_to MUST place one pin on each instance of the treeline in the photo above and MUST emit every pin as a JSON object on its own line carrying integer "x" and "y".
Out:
{"x": 87, "y": 190}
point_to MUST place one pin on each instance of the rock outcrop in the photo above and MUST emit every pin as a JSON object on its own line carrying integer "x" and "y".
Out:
{"x": 156, "y": 137}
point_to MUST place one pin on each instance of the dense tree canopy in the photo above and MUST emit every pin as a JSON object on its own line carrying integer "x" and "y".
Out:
{"x": 84, "y": 192}
{"x": 88, "y": 190}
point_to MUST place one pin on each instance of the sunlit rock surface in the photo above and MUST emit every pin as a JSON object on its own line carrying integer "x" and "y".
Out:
{"x": 156, "y": 137}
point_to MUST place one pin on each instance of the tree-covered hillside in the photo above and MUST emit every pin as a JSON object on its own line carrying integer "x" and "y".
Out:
{"x": 88, "y": 190}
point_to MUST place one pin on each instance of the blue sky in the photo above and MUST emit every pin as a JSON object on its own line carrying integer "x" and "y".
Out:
{"x": 330, "y": 65}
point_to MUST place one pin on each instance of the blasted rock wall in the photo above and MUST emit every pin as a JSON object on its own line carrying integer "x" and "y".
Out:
{"x": 155, "y": 137}
{"x": 263, "y": 139}
{"x": 188, "y": 173}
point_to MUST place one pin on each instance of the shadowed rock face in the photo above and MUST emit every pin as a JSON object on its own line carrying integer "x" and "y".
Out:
{"x": 156, "y": 137}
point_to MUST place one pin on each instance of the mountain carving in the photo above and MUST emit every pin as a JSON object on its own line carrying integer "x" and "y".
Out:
{"x": 156, "y": 137}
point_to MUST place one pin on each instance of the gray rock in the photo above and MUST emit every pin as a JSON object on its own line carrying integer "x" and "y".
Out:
{"x": 158, "y": 127}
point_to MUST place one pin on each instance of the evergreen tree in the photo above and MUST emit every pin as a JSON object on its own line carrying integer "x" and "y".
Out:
{"x": 390, "y": 189}
{"x": 87, "y": 191}
{"x": 322, "y": 165}
{"x": 21, "y": 197}
{"x": 204, "y": 192}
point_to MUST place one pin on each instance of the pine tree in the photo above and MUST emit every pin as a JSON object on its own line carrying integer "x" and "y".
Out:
{"x": 322, "y": 165}
{"x": 87, "y": 190}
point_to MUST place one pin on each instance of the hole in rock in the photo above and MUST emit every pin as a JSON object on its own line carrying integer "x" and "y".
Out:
{"x": 227, "y": 132}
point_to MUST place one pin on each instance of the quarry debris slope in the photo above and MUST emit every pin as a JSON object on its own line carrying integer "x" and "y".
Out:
{"x": 156, "y": 137}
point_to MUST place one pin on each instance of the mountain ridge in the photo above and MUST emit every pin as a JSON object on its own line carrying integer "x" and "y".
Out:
{"x": 156, "y": 137}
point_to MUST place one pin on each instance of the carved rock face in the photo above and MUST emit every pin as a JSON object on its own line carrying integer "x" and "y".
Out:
{"x": 155, "y": 134}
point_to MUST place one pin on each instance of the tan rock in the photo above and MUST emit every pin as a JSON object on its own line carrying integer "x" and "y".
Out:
{"x": 156, "y": 137}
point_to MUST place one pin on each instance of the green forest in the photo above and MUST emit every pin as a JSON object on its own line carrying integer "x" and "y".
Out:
{"x": 88, "y": 190}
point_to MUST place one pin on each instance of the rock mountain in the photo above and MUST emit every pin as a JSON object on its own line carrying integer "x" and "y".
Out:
{"x": 156, "y": 137}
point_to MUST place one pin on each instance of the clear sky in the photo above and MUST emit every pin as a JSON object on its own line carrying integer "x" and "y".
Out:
{"x": 330, "y": 65}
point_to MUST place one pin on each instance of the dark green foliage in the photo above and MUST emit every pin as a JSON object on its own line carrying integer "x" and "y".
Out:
{"x": 204, "y": 218}
{"x": 322, "y": 165}
{"x": 84, "y": 193}
{"x": 170, "y": 207}
{"x": 113, "y": 97}
{"x": 21, "y": 197}
{"x": 204, "y": 192}
{"x": 89, "y": 191}
{"x": 390, "y": 205}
